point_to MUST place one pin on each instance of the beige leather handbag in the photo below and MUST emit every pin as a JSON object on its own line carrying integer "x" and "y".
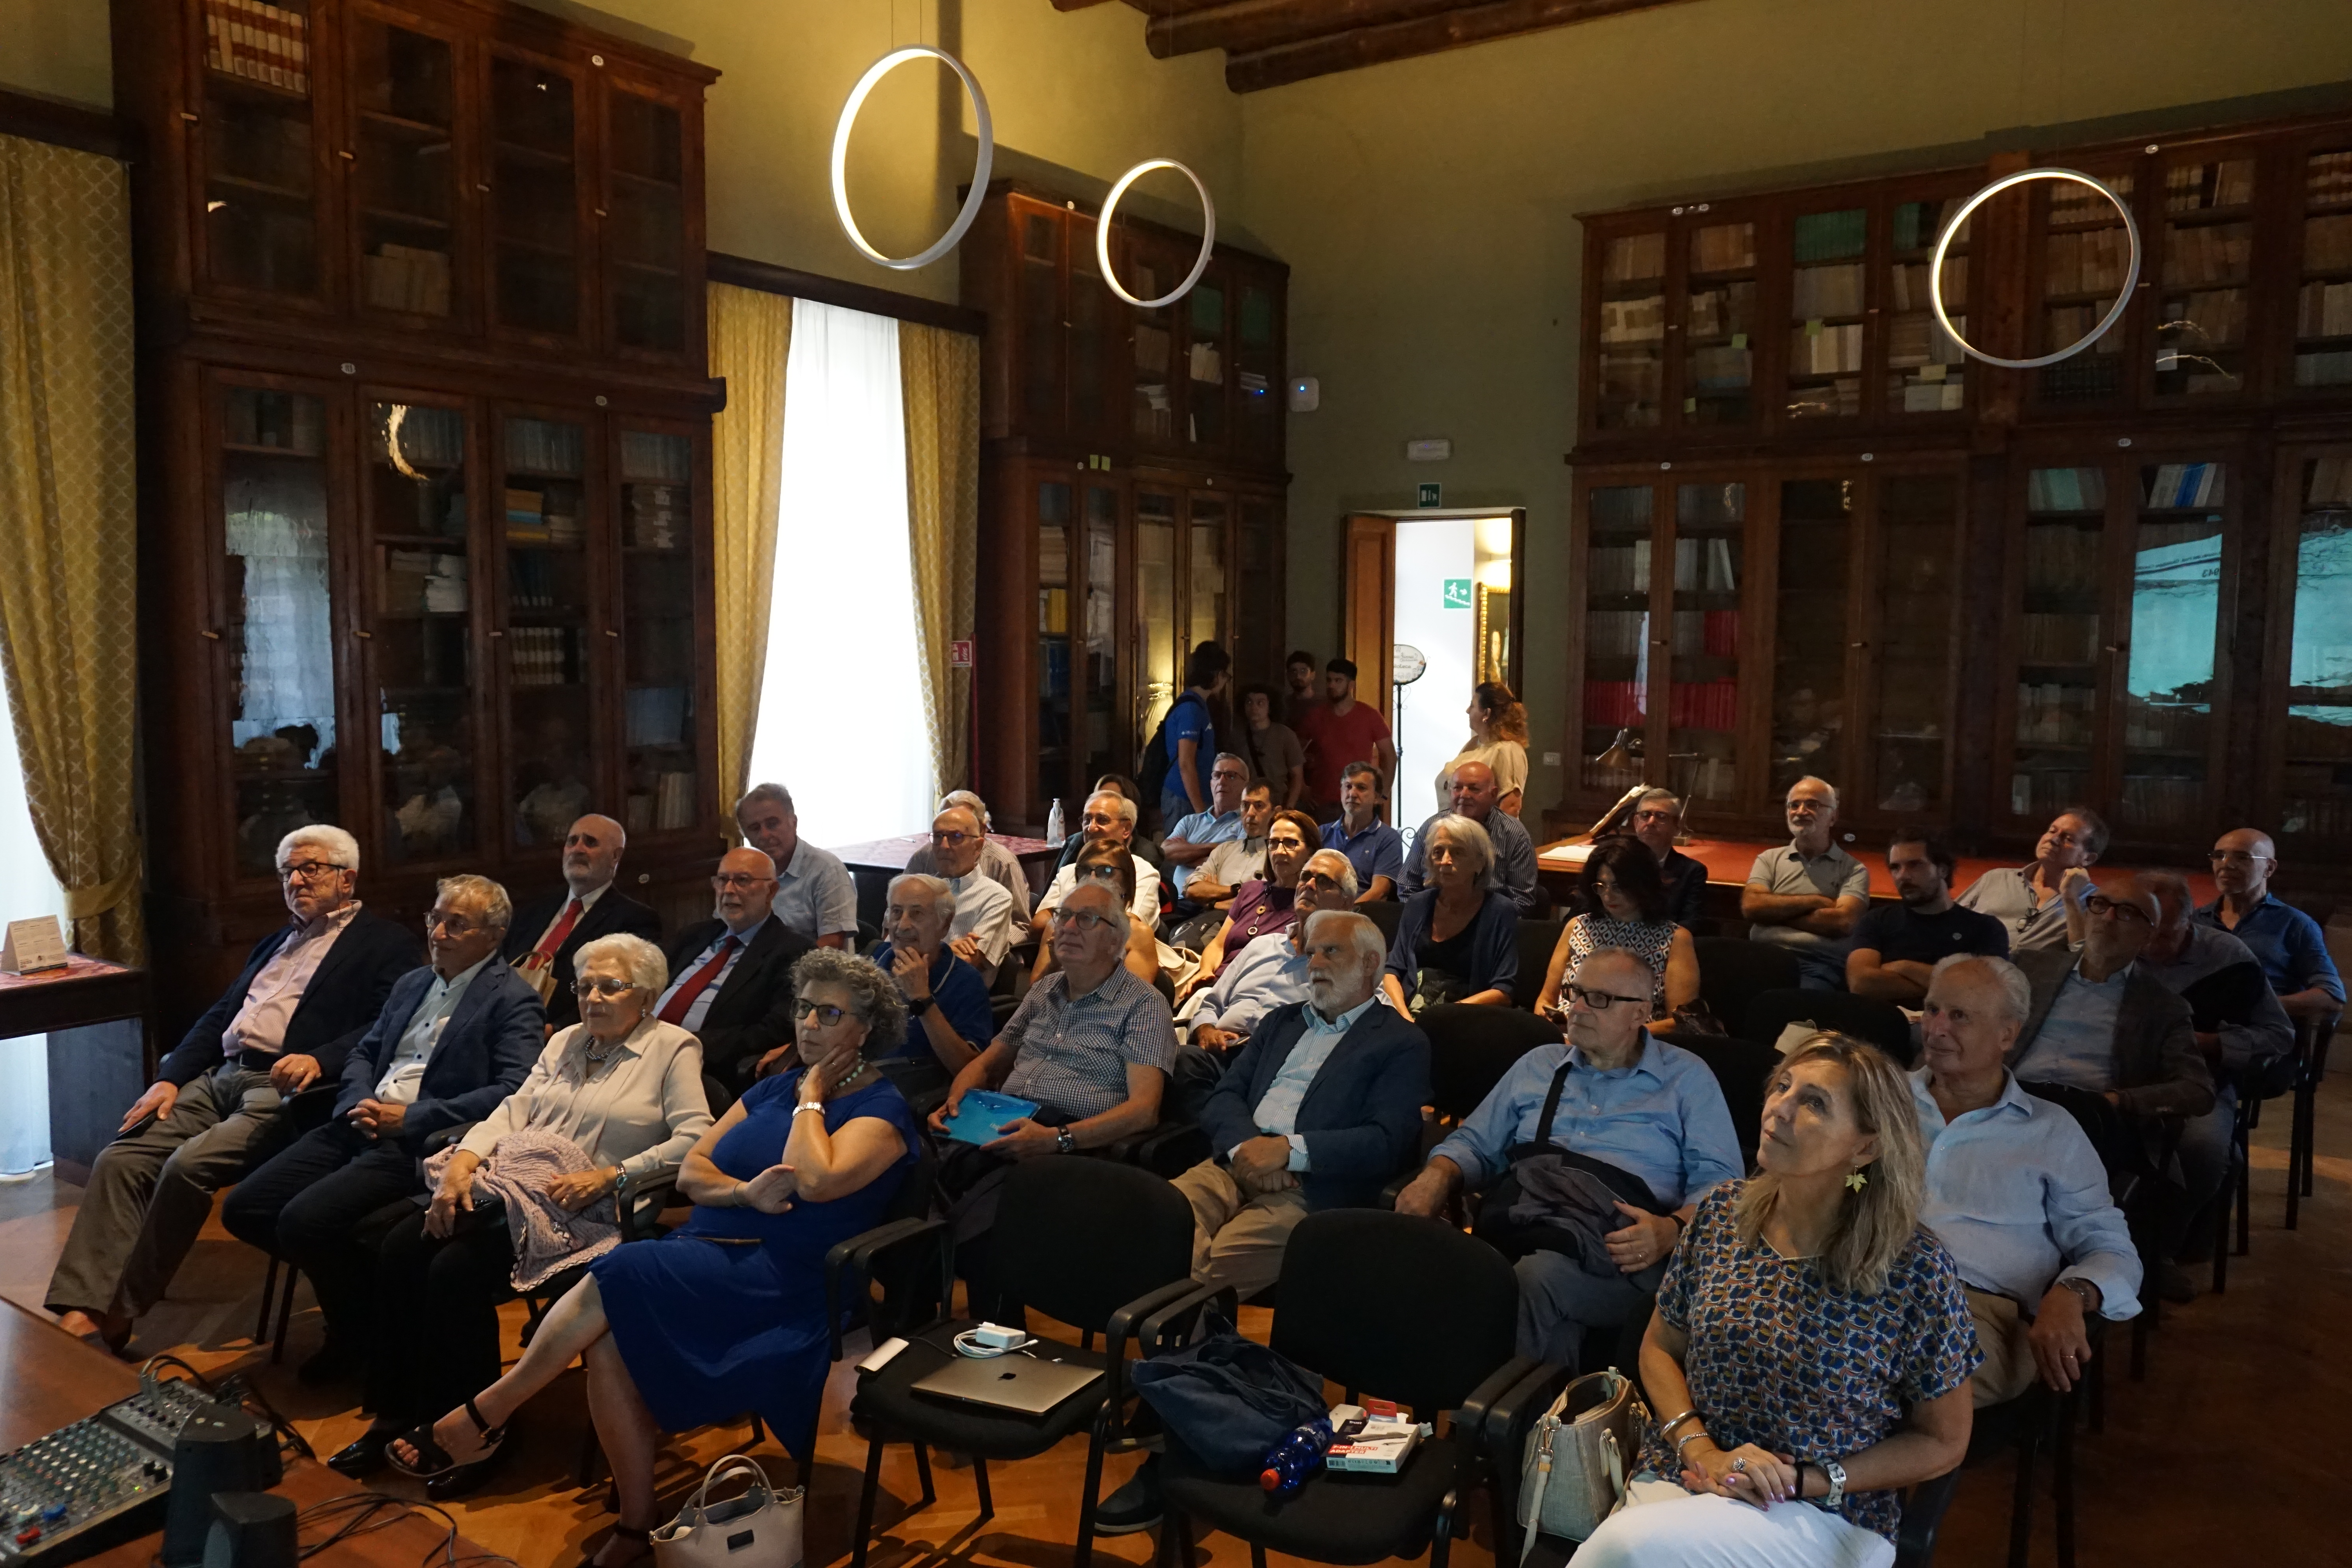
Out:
{"x": 1577, "y": 1456}
{"x": 757, "y": 1528}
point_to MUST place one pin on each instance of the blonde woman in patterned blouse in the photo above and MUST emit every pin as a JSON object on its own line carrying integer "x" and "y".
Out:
{"x": 1625, "y": 903}
{"x": 1812, "y": 1349}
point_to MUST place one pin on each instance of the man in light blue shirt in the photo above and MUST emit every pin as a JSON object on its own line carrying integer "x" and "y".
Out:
{"x": 2015, "y": 1191}
{"x": 1626, "y": 1098}
{"x": 1188, "y": 843}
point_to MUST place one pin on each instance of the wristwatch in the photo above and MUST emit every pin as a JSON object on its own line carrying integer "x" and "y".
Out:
{"x": 1836, "y": 1473}
{"x": 1065, "y": 1141}
{"x": 920, "y": 1005}
{"x": 2088, "y": 1292}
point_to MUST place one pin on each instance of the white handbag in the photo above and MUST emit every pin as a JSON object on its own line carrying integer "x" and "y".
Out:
{"x": 1577, "y": 1455}
{"x": 758, "y": 1528}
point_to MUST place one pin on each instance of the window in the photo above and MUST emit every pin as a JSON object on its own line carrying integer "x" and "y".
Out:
{"x": 32, "y": 891}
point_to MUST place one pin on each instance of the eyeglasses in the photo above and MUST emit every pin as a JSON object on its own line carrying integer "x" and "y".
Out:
{"x": 1081, "y": 920}
{"x": 951, "y": 837}
{"x": 726, "y": 880}
{"x": 601, "y": 986}
{"x": 1654, "y": 816}
{"x": 827, "y": 1014}
{"x": 1292, "y": 842}
{"x": 453, "y": 925}
{"x": 1598, "y": 1001}
{"x": 1098, "y": 873}
{"x": 1314, "y": 878}
{"x": 309, "y": 871}
{"x": 2101, "y": 905}
{"x": 2233, "y": 856}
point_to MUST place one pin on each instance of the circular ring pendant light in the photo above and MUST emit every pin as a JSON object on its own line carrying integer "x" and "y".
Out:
{"x": 1943, "y": 243}
{"x": 1102, "y": 234}
{"x": 980, "y": 168}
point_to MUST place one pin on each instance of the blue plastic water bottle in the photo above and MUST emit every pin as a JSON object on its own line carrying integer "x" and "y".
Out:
{"x": 1298, "y": 1456}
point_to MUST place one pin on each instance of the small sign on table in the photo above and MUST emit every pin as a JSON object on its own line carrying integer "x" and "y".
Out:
{"x": 33, "y": 945}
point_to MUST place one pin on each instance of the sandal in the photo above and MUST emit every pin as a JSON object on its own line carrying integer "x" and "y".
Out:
{"x": 435, "y": 1460}
{"x": 620, "y": 1532}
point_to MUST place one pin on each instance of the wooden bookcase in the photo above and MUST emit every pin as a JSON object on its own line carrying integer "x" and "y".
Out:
{"x": 426, "y": 532}
{"x": 1970, "y": 595}
{"x": 1131, "y": 499}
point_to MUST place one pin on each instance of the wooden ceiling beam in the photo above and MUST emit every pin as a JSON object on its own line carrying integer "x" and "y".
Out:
{"x": 1243, "y": 26}
{"x": 1256, "y": 69}
{"x": 1075, "y": 4}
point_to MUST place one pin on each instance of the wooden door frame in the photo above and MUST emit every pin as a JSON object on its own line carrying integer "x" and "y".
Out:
{"x": 1364, "y": 527}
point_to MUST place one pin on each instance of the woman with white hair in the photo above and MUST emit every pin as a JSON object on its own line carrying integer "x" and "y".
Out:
{"x": 613, "y": 1100}
{"x": 1455, "y": 941}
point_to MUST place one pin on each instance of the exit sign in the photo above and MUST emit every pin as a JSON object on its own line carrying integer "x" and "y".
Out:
{"x": 1432, "y": 495}
{"x": 959, "y": 653}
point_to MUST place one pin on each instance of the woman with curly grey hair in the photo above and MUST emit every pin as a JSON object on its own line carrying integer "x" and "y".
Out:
{"x": 728, "y": 1310}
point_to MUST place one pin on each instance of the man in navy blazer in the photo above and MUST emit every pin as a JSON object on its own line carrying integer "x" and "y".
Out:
{"x": 309, "y": 990}
{"x": 455, "y": 1039}
{"x": 1319, "y": 1111}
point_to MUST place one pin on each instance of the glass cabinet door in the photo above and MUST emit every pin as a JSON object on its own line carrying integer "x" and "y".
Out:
{"x": 1160, "y": 662}
{"x": 1153, "y": 374}
{"x": 2322, "y": 302}
{"x": 276, "y": 642}
{"x": 1809, "y": 644}
{"x": 534, "y": 199}
{"x": 2316, "y": 781}
{"x": 1103, "y": 746}
{"x": 2206, "y": 262}
{"x": 1204, "y": 603}
{"x": 1093, "y": 309}
{"x": 421, "y": 620}
{"x": 1708, "y": 573}
{"x": 645, "y": 222}
{"x": 1208, "y": 344}
{"x": 2084, "y": 249}
{"x": 2170, "y": 699}
{"x": 2060, "y": 640}
{"x": 1041, "y": 233}
{"x": 661, "y": 736}
{"x": 550, "y": 734}
{"x": 260, "y": 149}
{"x": 1258, "y": 381}
{"x": 1616, "y": 695}
{"x": 404, "y": 175}
{"x": 1828, "y": 287}
{"x": 1257, "y": 631}
{"x": 1718, "y": 322}
{"x": 1926, "y": 367}
{"x": 1633, "y": 336}
{"x": 1908, "y": 662}
{"x": 1054, "y": 530}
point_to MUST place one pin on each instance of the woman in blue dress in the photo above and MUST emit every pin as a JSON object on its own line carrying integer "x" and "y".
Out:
{"x": 727, "y": 1313}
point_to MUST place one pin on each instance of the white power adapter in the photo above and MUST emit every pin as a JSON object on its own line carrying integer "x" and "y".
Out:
{"x": 999, "y": 1338}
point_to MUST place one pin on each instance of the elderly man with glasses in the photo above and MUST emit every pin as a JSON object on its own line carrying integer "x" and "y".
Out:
{"x": 987, "y": 922}
{"x": 309, "y": 992}
{"x": 731, "y": 976}
{"x": 2103, "y": 1024}
{"x": 1615, "y": 1111}
{"x": 454, "y": 1040}
{"x": 949, "y": 1019}
{"x": 2286, "y": 941}
{"x": 1656, "y": 820}
{"x": 1190, "y": 839}
{"x": 1270, "y": 972}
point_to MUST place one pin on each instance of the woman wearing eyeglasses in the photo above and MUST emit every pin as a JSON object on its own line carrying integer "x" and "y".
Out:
{"x": 615, "y": 1099}
{"x": 1625, "y": 903}
{"x": 727, "y": 1313}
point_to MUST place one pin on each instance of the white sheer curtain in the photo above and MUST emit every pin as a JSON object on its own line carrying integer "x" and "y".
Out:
{"x": 26, "y": 891}
{"x": 841, "y": 709}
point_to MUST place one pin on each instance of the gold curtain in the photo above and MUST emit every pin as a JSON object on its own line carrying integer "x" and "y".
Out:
{"x": 68, "y": 532}
{"x": 751, "y": 335}
{"x": 941, "y": 369}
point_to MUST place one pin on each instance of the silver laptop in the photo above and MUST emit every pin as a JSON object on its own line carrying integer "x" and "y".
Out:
{"x": 1026, "y": 1385}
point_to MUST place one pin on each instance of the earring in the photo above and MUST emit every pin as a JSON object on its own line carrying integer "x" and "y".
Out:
{"x": 1855, "y": 1180}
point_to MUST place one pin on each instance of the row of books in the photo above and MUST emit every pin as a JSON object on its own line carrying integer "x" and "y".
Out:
{"x": 2186, "y": 484}
{"x": 2167, "y": 728}
{"x": 657, "y": 515}
{"x": 2328, "y": 483}
{"x": 1206, "y": 362}
{"x": 544, "y": 516}
{"x": 2324, "y": 311}
{"x": 432, "y": 580}
{"x": 646, "y": 455}
{"x": 1907, "y": 285}
{"x": 1826, "y": 292}
{"x": 669, "y": 805}
{"x": 1918, "y": 224}
{"x": 2310, "y": 737}
{"x": 1920, "y": 394}
{"x": 543, "y": 446}
{"x": 2062, "y": 490}
{"x": 533, "y": 583}
{"x": 1635, "y": 257}
{"x": 1825, "y": 236}
{"x": 1614, "y": 703}
{"x": 2044, "y": 790}
{"x": 2326, "y": 244}
{"x": 2205, "y": 253}
{"x": 2333, "y": 369}
{"x": 1704, "y": 705}
{"x": 656, "y": 715}
{"x": 1152, "y": 345}
{"x": 1707, "y": 778}
{"x": 281, "y": 421}
{"x": 1840, "y": 399}
{"x": 406, "y": 278}
{"x": 2071, "y": 203}
{"x": 2323, "y": 818}
{"x": 2189, "y": 187}
{"x": 2058, "y": 639}
{"x": 1722, "y": 311}
{"x": 429, "y": 438}
{"x": 1818, "y": 350}
{"x": 1701, "y": 566}
{"x": 544, "y": 656}
{"x": 2327, "y": 180}
{"x": 2216, "y": 317}
{"x": 1721, "y": 368}
{"x": 260, "y": 42}
{"x": 2161, "y": 802}
{"x": 2066, "y": 325}
{"x": 1918, "y": 339}
{"x": 1723, "y": 247}
{"x": 2078, "y": 263}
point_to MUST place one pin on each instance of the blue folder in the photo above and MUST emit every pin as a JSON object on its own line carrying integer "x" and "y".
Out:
{"x": 982, "y": 1112}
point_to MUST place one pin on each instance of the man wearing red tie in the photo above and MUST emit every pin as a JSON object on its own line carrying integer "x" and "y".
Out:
{"x": 732, "y": 976}
{"x": 548, "y": 932}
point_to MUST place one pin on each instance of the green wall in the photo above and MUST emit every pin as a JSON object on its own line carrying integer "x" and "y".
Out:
{"x": 1425, "y": 210}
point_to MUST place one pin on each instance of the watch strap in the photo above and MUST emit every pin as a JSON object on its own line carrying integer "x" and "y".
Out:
{"x": 920, "y": 1005}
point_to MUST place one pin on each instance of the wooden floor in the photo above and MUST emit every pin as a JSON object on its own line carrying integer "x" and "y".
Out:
{"x": 2224, "y": 1455}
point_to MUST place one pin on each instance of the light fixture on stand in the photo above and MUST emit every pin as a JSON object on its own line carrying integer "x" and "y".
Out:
{"x": 979, "y": 167}
{"x": 1952, "y": 228}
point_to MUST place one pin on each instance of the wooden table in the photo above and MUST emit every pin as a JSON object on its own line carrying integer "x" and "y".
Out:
{"x": 53, "y": 1379}
{"x": 874, "y": 863}
{"x": 95, "y": 1015}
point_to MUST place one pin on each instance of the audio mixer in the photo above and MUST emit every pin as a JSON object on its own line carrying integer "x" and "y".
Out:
{"x": 100, "y": 1480}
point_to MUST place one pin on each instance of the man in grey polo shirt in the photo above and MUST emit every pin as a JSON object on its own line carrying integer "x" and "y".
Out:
{"x": 1807, "y": 897}
{"x": 2032, "y": 900}
{"x": 814, "y": 893}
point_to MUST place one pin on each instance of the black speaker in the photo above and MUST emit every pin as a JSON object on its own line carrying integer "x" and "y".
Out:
{"x": 220, "y": 1450}
{"x": 251, "y": 1530}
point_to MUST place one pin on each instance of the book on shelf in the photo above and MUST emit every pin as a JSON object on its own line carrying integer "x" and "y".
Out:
{"x": 406, "y": 279}
{"x": 1151, "y": 344}
{"x": 543, "y": 447}
{"x": 656, "y": 715}
{"x": 1704, "y": 705}
{"x": 2058, "y": 639}
{"x": 1641, "y": 319}
{"x": 2176, "y": 485}
{"x": 2215, "y": 316}
{"x": 2081, "y": 263}
{"x": 1635, "y": 257}
{"x": 1907, "y": 285}
{"x": 2327, "y": 180}
{"x": 674, "y": 801}
{"x": 2334, "y": 369}
{"x": 2205, "y": 253}
{"x": 1722, "y": 368}
{"x": 2324, "y": 311}
{"x": 1721, "y": 311}
{"x": 1206, "y": 362}
{"x": 444, "y": 589}
{"x": 259, "y": 42}
{"x": 1841, "y": 399}
{"x": 1935, "y": 397}
{"x": 1827, "y": 291}
{"x": 2327, "y": 243}
{"x": 2066, "y": 325}
{"x": 2073, "y": 204}
{"x": 1613, "y": 704}
{"x": 1826, "y": 236}
{"x": 2064, "y": 489}
{"x": 2189, "y": 187}
{"x": 2329, "y": 484}
{"x": 2052, "y": 714}
{"x": 1723, "y": 247}
{"x": 1815, "y": 349}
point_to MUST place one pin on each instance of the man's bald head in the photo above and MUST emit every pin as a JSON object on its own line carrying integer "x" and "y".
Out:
{"x": 2243, "y": 860}
{"x": 1474, "y": 790}
{"x": 592, "y": 853}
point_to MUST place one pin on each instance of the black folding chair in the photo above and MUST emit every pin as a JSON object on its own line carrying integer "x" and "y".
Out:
{"x": 1536, "y": 940}
{"x": 1881, "y": 1023}
{"x": 2312, "y": 1038}
{"x": 1440, "y": 1340}
{"x": 1733, "y": 972}
{"x": 2034, "y": 1420}
{"x": 1384, "y": 914}
{"x": 1741, "y": 1068}
{"x": 308, "y": 1108}
{"x": 1099, "y": 1245}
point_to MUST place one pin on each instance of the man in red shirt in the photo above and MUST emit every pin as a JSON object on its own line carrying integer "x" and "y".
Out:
{"x": 1339, "y": 731}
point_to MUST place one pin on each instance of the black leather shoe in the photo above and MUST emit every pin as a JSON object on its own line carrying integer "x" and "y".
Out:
{"x": 333, "y": 1363}
{"x": 363, "y": 1456}
{"x": 1135, "y": 1506}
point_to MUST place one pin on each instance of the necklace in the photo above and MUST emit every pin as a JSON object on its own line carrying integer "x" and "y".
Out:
{"x": 856, "y": 1067}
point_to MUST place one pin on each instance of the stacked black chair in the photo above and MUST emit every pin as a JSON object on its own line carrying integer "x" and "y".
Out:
{"x": 1470, "y": 1049}
{"x": 1733, "y": 972}
{"x": 1384, "y": 914}
{"x": 1860, "y": 1018}
{"x": 308, "y": 1109}
{"x": 1099, "y": 1245}
{"x": 1536, "y": 940}
{"x": 1741, "y": 1068}
{"x": 2255, "y": 1083}
{"x": 1440, "y": 1340}
{"x": 2312, "y": 1038}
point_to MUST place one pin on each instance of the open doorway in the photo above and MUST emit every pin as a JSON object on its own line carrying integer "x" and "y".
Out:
{"x": 1431, "y": 612}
